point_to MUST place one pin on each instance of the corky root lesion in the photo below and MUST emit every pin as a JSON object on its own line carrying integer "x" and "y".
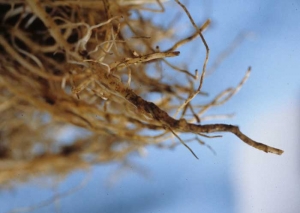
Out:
{"x": 150, "y": 110}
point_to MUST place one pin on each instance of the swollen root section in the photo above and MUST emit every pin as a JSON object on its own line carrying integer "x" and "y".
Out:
{"x": 156, "y": 114}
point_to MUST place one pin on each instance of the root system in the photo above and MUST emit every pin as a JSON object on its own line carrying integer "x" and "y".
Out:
{"x": 87, "y": 68}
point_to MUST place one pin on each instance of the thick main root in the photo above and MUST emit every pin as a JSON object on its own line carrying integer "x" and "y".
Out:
{"x": 151, "y": 111}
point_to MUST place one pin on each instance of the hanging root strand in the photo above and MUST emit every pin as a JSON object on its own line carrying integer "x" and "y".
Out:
{"x": 150, "y": 110}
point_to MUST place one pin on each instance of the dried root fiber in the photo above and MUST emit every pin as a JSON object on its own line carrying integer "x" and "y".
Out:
{"x": 85, "y": 65}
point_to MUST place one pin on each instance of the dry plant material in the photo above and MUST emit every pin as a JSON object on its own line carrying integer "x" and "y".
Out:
{"x": 93, "y": 65}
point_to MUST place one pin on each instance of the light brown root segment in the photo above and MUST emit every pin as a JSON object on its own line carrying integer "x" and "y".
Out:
{"x": 235, "y": 130}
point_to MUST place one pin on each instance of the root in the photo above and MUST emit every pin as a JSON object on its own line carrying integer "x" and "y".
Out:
{"x": 150, "y": 110}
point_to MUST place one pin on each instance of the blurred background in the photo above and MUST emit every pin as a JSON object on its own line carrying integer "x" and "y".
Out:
{"x": 238, "y": 178}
